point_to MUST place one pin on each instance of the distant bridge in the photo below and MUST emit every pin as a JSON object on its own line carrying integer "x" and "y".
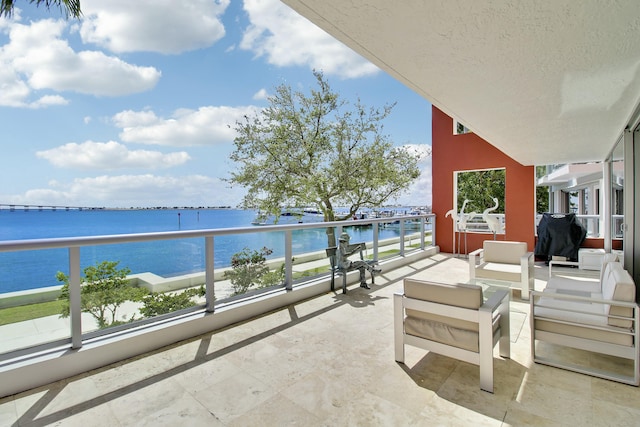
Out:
{"x": 22, "y": 207}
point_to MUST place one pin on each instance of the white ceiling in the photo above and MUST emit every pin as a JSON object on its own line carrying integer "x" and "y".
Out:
{"x": 551, "y": 81}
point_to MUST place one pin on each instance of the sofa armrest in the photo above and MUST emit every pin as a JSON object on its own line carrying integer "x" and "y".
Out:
{"x": 474, "y": 257}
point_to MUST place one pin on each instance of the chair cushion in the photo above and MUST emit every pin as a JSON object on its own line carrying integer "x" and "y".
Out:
{"x": 459, "y": 294}
{"x": 503, "y": 252}
{"x": 447, "y": 330}
{"x": 443, "y": 333}
{"x": 498, "y": 271}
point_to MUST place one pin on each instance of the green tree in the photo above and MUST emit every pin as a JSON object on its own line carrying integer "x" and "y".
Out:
{"x": 480, "y": 187}
{"x": 319, "y": 151}
{"x": 104, "y": 288}
{"x": 542, "y": 192}
{"x": 249, "y": 269}
{"x": 71, "y": 8}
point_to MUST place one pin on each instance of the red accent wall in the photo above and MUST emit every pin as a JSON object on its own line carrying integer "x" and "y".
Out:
{"x": 470, "y": 152}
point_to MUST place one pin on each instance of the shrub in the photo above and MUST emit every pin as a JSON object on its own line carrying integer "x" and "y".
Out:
{"x": 249, "y": 269}
{"x": 104, "y": 288}
{"x": 156, "y": 304}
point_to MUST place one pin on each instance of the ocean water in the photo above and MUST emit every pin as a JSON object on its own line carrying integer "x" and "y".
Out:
{"x": 35, "y": 269}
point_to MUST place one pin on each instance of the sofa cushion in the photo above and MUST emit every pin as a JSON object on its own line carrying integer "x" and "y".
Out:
{"x": 588, "y": 285}
{"x": 604, "y": 335}
{"x": 569, "y": 311}
{"x": 606, "y": 259}
{"x": 566, "y": 317}
{"x": 503, "y": 252}
{"x": 618, "y": 285}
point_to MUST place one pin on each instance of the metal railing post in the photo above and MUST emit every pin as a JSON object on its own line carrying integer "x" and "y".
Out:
{"x": 75, "y": 297}
{"x": 288, "y": 259}
{"x": 210, "y": 290}
{"x": 375, "y": 240}
{"x": 433, "y": 230}
{"x": 402, "y": 236}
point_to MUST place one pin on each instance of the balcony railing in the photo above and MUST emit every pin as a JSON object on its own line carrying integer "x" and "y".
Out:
{"x": 414, "y": 232}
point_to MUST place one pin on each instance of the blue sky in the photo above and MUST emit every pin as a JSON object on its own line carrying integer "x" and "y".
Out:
{"x": 131, "y": 106}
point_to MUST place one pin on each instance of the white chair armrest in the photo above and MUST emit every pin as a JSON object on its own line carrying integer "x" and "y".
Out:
{"x": 526, "y": 259}
{"x": 473, "y": 261}
{"x": 477, "y": 252}
{"x": 495, "y": 300}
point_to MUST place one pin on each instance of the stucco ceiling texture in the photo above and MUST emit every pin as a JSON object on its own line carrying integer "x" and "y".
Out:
{"x": 545, "y": 81}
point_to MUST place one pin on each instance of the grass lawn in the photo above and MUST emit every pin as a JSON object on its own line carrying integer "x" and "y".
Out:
{"x": 28, "y": 312}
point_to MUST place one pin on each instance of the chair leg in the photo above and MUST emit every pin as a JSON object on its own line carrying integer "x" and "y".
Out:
{"x": 398, "y": 328}
{"x": 504, "y": 344}
{"x": 485, "y": 338}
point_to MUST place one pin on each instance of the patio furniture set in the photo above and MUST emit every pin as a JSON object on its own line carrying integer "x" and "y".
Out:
{"x": 466, "y": 321}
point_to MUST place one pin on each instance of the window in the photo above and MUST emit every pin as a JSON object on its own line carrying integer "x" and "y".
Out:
{"x": 459, "y": 128}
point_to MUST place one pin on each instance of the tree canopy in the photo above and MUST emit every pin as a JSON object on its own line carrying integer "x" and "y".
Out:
{"x": 319, "y": 151}
{"x": 479, "y": 188}
{"x": 71, "y": 8}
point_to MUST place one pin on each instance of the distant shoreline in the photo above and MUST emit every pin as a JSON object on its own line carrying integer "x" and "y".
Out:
{"x": 36, "y": 208}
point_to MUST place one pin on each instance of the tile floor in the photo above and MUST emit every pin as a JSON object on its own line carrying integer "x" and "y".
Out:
{"x": 327, "y": 362}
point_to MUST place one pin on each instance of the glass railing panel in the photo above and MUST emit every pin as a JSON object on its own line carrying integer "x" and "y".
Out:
{"x": 30, "y": 309}
{"x": 309, "y": 252}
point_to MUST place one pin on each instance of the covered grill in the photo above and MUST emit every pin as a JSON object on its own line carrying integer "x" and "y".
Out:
{"x": 559, "y": 235}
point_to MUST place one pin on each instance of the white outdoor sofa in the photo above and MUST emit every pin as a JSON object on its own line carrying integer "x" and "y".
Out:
{"x": 597, "y": 316}
{"x": 504, "y": 261}
{"x": 453, "y": 320}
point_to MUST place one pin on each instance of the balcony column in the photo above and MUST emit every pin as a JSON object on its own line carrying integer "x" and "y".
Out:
{"x": 606, "y": 204}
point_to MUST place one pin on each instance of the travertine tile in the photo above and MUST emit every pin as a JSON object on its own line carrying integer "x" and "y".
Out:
{"x": 8, "y": 413}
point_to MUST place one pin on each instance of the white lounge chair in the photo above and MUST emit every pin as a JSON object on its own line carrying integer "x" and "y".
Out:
{"x": 453, "y": 320}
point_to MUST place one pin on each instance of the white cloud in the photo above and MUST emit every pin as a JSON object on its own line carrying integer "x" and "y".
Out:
{"x": 420, "y": 192}
{"x": 285, "y": 38}
{"x": 37, "y": 58}
{"x": 162, "y": 26}
{"x": 261, "y": 94}
{"x": 109, "y": 156}
{"x": 205, "y": 126}
{"x": 132, "y": 191}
